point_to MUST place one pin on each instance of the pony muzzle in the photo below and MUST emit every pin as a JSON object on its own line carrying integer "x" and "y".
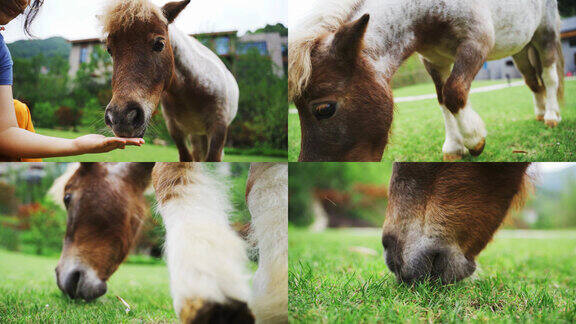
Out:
{"x": 426, "y": 261}
{"x": 80, "y": 282}
{"x": 128, "y": 120}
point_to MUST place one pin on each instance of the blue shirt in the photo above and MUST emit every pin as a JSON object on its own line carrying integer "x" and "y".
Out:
{"x": 5, "y": 63}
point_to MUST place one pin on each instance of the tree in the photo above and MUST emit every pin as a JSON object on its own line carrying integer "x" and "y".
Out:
{"x": 567, "y": 8}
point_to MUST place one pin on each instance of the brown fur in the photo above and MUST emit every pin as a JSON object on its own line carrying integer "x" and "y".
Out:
{"x": 200, "y": 311}
{"x": 364, "y": 100}
{"x": 167, "y": 175}
{"x": 464, "y": 203}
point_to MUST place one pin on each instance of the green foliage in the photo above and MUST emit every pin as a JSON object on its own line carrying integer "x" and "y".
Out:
{"x": 40, "y": 79}
{"x": 305, "y": 177}
{"x": 262, "y": 111}
{"x": 567, "y": 8}
{"x": 523, "y": 280}
{"x": 277, "y": 28}
{"x": 51, "y": 47}
{"x": 411, "y": 72}
{"x": 47, "y": 228}
{"x": 44, "y": 115}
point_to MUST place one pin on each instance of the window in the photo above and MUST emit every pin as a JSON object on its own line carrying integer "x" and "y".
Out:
{"x": 222, "y": 45}
{"x": 509, "y": 63}
{"x": 261, "y": 47}
{"x": 572, "y": 42}
{"x": 83, "y": 54}
{"x": 284, "y": 50}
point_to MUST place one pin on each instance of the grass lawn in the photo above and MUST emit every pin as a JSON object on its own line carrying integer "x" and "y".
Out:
{"x": 146, "y": 153}
{"x": 523, "y": 279}
{"x": 28, "y": 293}
{"x": 418, "y": 127}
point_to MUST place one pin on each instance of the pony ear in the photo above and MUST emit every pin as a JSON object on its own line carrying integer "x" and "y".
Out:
{"x": 141, "y": 172}
{"x": 88, "y": 166}
{"x": 348, "y": 40}
{"x": 172, "y": 9}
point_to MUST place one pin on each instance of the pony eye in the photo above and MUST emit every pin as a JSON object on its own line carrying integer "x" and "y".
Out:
{"x": 324, "y": 110}
{"x": 159, "y": 45}
{"x": 67, "y": 198}
{"x": 109, "y": 50}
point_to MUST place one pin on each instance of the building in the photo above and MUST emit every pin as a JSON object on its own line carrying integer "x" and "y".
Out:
{"x": 226, "y": 44}
{"x": 568, "y": 33}
{"x": 498, "y": 69}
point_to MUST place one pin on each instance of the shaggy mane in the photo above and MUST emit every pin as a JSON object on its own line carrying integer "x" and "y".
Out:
{"x": 301, "y": 41}
{"x": 121, "y": 14}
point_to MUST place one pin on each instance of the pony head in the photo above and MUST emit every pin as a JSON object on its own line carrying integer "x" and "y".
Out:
{"x": 105, "y": 205}
{"x": 441, "y": 215}
{"x": 345, "y": 106}
{"x": 143, "y": 60}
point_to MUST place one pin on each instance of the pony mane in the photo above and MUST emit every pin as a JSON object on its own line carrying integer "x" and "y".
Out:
{"x": 121, "y": 14}
{"x": 303, "y": 38}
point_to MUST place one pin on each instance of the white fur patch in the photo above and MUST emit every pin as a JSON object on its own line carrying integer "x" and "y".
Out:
{"x": 471, "y": 126}
{"x": 206, "y": 258}
{"x": 454, "y": 143}
{"x": 268, "y": 204}
{"x": 550, "y": 78}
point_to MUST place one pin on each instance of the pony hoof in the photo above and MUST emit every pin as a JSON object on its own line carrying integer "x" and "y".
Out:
{"x": 540, "y": 118}
{"x": 551, "y": 123}
{"x": 201, "y": 311}
{"x": 477, "y": 150}
{"x": 449, "y": 157}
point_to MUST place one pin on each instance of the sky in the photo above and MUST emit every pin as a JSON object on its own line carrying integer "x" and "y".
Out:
{"x": 76, "y": 19}
{"x": 298, "y": 9}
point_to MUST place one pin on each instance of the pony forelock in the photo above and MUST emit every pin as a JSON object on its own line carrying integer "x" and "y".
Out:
{"x": 302, "y": 40}
{"x": 121, "y": 14}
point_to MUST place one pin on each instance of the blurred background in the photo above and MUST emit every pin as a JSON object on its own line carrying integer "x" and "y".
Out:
{"x": 31, "y": 223}
{"x": 335, "y": 195}
{"x": 64, "y": 74}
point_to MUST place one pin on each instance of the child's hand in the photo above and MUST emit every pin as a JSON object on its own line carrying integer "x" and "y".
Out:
{"x": 94, "y": 143}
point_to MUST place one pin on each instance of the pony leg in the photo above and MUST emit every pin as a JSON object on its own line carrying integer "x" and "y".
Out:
{"x": 199, "y": 147}
{"x": 217, "y": 139}
{"x": 469, "y": 59}
{"x": 526, "y": 65}
{"x": 180, "y": 140}
{"x": 267, "y": 200}
{"x": 453, "y": 148}
{"x": 206, "y": 259}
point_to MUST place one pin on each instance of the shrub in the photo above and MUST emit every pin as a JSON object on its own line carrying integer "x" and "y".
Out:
{"x": 44, "y": 115}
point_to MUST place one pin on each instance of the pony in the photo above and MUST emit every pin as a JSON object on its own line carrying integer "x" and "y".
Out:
{"x": 206, "y": 258}
{"x": 155, "y": 62}
{"x": 342, "y": 59}
{"x": 440, "y": 216}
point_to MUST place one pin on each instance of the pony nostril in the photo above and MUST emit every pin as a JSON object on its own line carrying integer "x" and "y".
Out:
{"x": 108, "y": 118}
{"x": 71, "y": 284}
{"x": 134, "y": 115}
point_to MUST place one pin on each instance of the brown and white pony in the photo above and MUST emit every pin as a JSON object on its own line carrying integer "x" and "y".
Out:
{"x": 206, "y": 258}
{"x": 441, "y": 215}
{"x": 342, "y": 59}
{"x": 153, "y": 62}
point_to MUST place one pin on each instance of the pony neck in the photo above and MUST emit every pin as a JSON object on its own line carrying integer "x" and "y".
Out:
{"x": 390, "y": 37}
{"x": 191, "y": 62}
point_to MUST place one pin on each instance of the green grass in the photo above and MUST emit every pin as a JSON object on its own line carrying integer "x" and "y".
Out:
{"x": 28, "y": 293}
{"x": 146, "y": 153}
{"x": 418, "y": 128}
{"x": 522, "y": 280}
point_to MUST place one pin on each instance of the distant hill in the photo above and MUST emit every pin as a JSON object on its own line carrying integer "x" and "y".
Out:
{"x": 55, "y": 46}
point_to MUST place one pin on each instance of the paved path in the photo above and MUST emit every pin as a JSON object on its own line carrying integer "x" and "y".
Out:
{"x": 433, "y": 95}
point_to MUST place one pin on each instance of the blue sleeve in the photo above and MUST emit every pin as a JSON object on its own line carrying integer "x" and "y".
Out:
{"x": 5, "y": 64}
